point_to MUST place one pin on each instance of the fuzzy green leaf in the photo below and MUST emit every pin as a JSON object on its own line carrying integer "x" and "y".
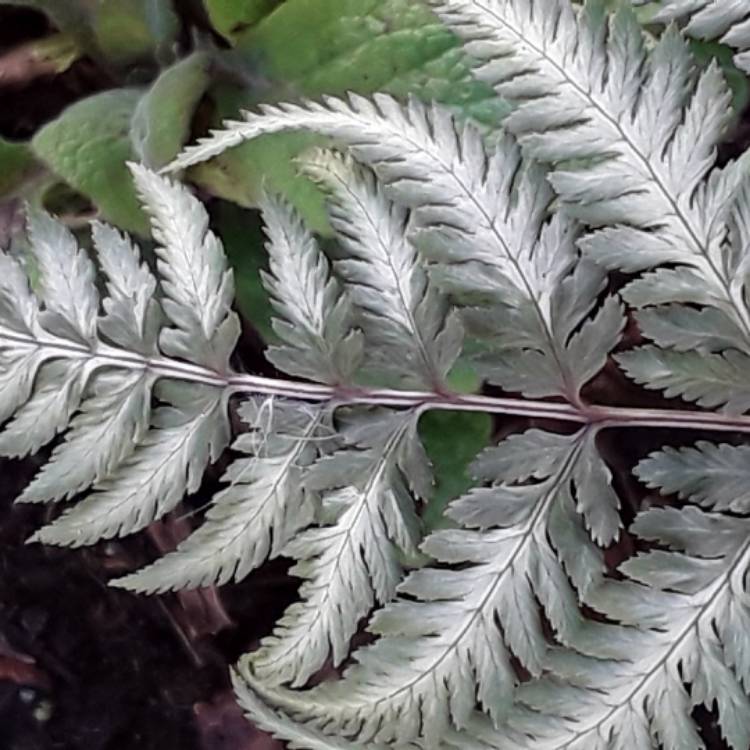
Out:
{"x": 88, "y": 146}
{"x": 231, "y": 17}
{"x": 358, "y": 45}
{"x": 163, "y": 117}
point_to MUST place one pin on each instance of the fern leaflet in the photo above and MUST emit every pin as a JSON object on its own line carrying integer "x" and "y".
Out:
{"x": 725, "y": 20}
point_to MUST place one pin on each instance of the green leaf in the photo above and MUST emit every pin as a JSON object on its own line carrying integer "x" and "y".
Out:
{"x": 119, "y": 31}
{"x": 88, "y": 145}
{"x": 17, "y": 163}
{"x": 395, "y": 46}
{"x": 242, "y": 236}
{"x": 704, "y": 52}
{"x": 232, "y": 17}
{"x": 451, "y": 456}
{"x": 129, "y": 30}
{"x": 162, "y": 119}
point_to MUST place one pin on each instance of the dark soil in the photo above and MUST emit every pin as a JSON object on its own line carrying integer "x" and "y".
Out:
{"x": 87, "y": 667}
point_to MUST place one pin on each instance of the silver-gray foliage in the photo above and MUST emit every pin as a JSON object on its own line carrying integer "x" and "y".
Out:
{"x": 725, "y": 20}
{"x": 504, "y": 628}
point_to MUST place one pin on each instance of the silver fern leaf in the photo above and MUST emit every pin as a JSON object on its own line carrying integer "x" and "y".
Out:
{"x": 263, "y": 506}
{"x": 450, "y": 639}
{"x": 265, "y": 503}
{"x": 700, "y": 354}
{"x": 533, "y": 274}
{"x": 403, "y": 315}
{"x": 632, "y": 140}
{"x": 352, "y": 560}
{"x": 473, "y": 208}
{"x": 282, "y": 726}
{"x": 198, "y": 288}
{"x": 714, "y": 476}
{"x": 725, "y": 20}
{"x": 689, "y": 603}
{"x": 315, "y": 316}
{"x": 504, "y": 628}
{"x": 140, "y": 460}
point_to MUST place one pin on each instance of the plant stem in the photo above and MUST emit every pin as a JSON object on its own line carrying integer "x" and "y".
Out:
{"x": 603, "y": 416}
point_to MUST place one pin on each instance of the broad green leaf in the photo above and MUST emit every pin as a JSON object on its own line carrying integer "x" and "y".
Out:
{"x": 396, "y": 46}
{"x": 161, "y": 124}
{"x": 131, "y": 30}
{"x": 120, "y": 31}
{"x": 88, "y": 145}
{"x": 232, "y": 17}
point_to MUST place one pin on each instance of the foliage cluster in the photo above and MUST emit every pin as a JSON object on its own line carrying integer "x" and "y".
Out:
{"x": 571, "y": 230}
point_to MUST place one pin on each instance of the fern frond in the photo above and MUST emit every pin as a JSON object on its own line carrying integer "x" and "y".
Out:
{"x": 41, "y": 386}
{"x": 116, "y": 416}
{"x": 58, "y": 391}
{"x": 111, "y": 422}
{"x": 316, "y": 316}
{"x": 198, "y": 288}
{"x": 132, "y": 316}
{"x": 692, "y": 597}
{"x": 587, "y": 89}
{"x": 424, "y": 158}
{"x": 725, "y": 20}
{"x": 265, "y": 504}
{"x": 503, "y": 629}
{"x": 169, "y": 462}
{"x": 69, "y": 366}
{"x": 352, "y": 561}
{"x": 684, "y": 609}
{"x": 450, "y": 638}
{"x": 710, "y": 380}
{"x": 266, "y": 497}
{"x": 703, "y": 355}
{"x": 283, "y": 727}
{"x": 261, "y": 509}
{"x": 472, "y": 208}
{"x": 411, "y": 329}
{"x": 632, "y": 140}
{"x": 713, "y": 476}
{"x": 561, "y": 357}
{"x": 67, "y": 279}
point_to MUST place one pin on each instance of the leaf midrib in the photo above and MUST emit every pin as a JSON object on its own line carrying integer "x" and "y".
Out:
{"x": 741, "y": 313}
